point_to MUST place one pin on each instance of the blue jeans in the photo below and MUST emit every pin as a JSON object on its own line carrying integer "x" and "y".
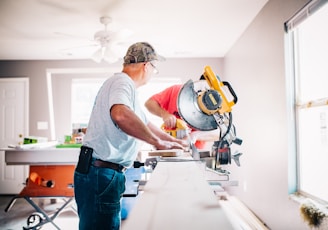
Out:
{"x": 98, "y": 197}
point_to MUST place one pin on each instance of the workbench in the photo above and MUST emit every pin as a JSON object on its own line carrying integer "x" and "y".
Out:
{"x": 177, "y": 196}
{"x": 53, "y": 164}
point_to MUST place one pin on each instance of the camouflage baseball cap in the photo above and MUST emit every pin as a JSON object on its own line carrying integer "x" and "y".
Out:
{"x": 141, "y": 52}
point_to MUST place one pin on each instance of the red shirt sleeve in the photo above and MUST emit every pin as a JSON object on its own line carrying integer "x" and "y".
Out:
{"x": 167, "y": 99}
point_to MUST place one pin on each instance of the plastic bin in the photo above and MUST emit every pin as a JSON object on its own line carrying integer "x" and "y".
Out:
{"x": 133, "y": 176}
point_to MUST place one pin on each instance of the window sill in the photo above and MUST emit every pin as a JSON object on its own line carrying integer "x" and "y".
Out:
{"x": 314, "y": 213}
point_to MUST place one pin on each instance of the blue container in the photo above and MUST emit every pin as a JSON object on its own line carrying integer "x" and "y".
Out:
{"x": 127, "y": 205}
{"x": 133, "y": 175}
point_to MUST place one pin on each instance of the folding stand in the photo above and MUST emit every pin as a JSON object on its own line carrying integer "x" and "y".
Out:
{"x": 62, "y": 176}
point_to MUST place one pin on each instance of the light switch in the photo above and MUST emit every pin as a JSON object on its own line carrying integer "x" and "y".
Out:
{"x": 42, "y": 125}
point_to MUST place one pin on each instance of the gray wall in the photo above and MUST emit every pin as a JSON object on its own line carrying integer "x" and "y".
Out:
{"x": 185, "y": 69}
{"x": 255, "y": 66}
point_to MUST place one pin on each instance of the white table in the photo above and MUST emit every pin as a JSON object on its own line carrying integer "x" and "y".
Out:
{"x": 42, "y": 156}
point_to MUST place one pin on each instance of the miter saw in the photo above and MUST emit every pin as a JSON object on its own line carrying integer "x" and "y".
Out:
{"x": 204, "y": 106}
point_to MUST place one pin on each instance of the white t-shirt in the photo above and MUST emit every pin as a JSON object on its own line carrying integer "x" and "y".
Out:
{"x": 108, "y": 141}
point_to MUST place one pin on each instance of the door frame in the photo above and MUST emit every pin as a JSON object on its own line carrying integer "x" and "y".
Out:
{"x": 23, "y": 169}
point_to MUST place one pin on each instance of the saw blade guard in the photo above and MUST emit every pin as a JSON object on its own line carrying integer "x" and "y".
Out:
{"x": 188, "y": 107}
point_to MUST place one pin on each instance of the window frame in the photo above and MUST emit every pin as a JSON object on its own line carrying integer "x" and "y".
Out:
{"x": 292, "y": 89}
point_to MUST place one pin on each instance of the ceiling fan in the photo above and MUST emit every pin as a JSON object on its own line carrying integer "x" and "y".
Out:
{"x": 106, "y": 41}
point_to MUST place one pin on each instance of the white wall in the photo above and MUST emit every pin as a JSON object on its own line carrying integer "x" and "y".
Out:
{"x": 255, "y": 67}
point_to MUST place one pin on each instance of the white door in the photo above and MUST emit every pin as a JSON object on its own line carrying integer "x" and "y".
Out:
{"x": 14, "y": 106}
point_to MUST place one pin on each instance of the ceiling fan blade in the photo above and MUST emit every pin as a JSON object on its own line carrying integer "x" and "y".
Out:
{"x": 78, "y": 50}
{"x": 79, "y": 47}
{"x": 73, "y": 36}
{"x": 97, "y": 56}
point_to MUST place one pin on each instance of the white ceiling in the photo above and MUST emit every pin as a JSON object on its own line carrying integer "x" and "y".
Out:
{"x": 49, "y": 29}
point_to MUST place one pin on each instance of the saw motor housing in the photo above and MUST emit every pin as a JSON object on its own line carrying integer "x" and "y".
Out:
{"x": 215, "y": 92}
{"x": 209, "y": 101}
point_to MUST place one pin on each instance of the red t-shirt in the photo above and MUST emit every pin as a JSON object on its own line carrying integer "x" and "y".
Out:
{"x": 167, "y": 99}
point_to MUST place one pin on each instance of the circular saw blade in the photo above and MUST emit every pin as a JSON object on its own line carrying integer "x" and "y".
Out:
{"x": 189, "y": 110}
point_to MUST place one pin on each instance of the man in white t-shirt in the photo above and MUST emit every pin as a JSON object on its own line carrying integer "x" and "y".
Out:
{"x": 117, "y": 124}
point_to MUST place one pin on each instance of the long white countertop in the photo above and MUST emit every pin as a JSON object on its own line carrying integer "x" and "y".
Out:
{"x": 177, "y": 197}
{"x": 42, "y": 156}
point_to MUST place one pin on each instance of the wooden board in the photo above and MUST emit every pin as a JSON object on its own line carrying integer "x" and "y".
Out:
{"x": 177, "y": 196}
{"x": 166, "y": 153}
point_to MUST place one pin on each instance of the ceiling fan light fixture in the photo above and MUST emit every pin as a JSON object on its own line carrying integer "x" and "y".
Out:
{"x": 109, "y": 56}
{"x": 108, "y": 51}
{"x": 98, "y": 55}
{"x": 106, "y": 54}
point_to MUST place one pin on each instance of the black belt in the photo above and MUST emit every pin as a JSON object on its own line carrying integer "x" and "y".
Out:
{"x": 107, "y": 164}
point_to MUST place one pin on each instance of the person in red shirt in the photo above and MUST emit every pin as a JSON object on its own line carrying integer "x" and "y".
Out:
{"x": 164, "y": 105}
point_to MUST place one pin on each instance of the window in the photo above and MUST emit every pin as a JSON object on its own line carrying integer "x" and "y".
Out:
{"x": 82, "y": 103}
{"x": 307, "y": 36}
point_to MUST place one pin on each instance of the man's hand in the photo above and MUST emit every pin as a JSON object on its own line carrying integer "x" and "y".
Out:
{"x": 183, "y": 142}
{"x": 169, "y": 120}
{"x": 162, "y": 145}
{"x": 166, "y": 141}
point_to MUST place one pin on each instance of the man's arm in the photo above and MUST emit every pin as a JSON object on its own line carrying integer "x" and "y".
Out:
{"x": 131, "y": 124}
{"x": 154, "y": 108}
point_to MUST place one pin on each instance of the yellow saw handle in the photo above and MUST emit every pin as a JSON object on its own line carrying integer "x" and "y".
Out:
{"x": 215, "y": 84}
{"x": 179, "y": 131}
